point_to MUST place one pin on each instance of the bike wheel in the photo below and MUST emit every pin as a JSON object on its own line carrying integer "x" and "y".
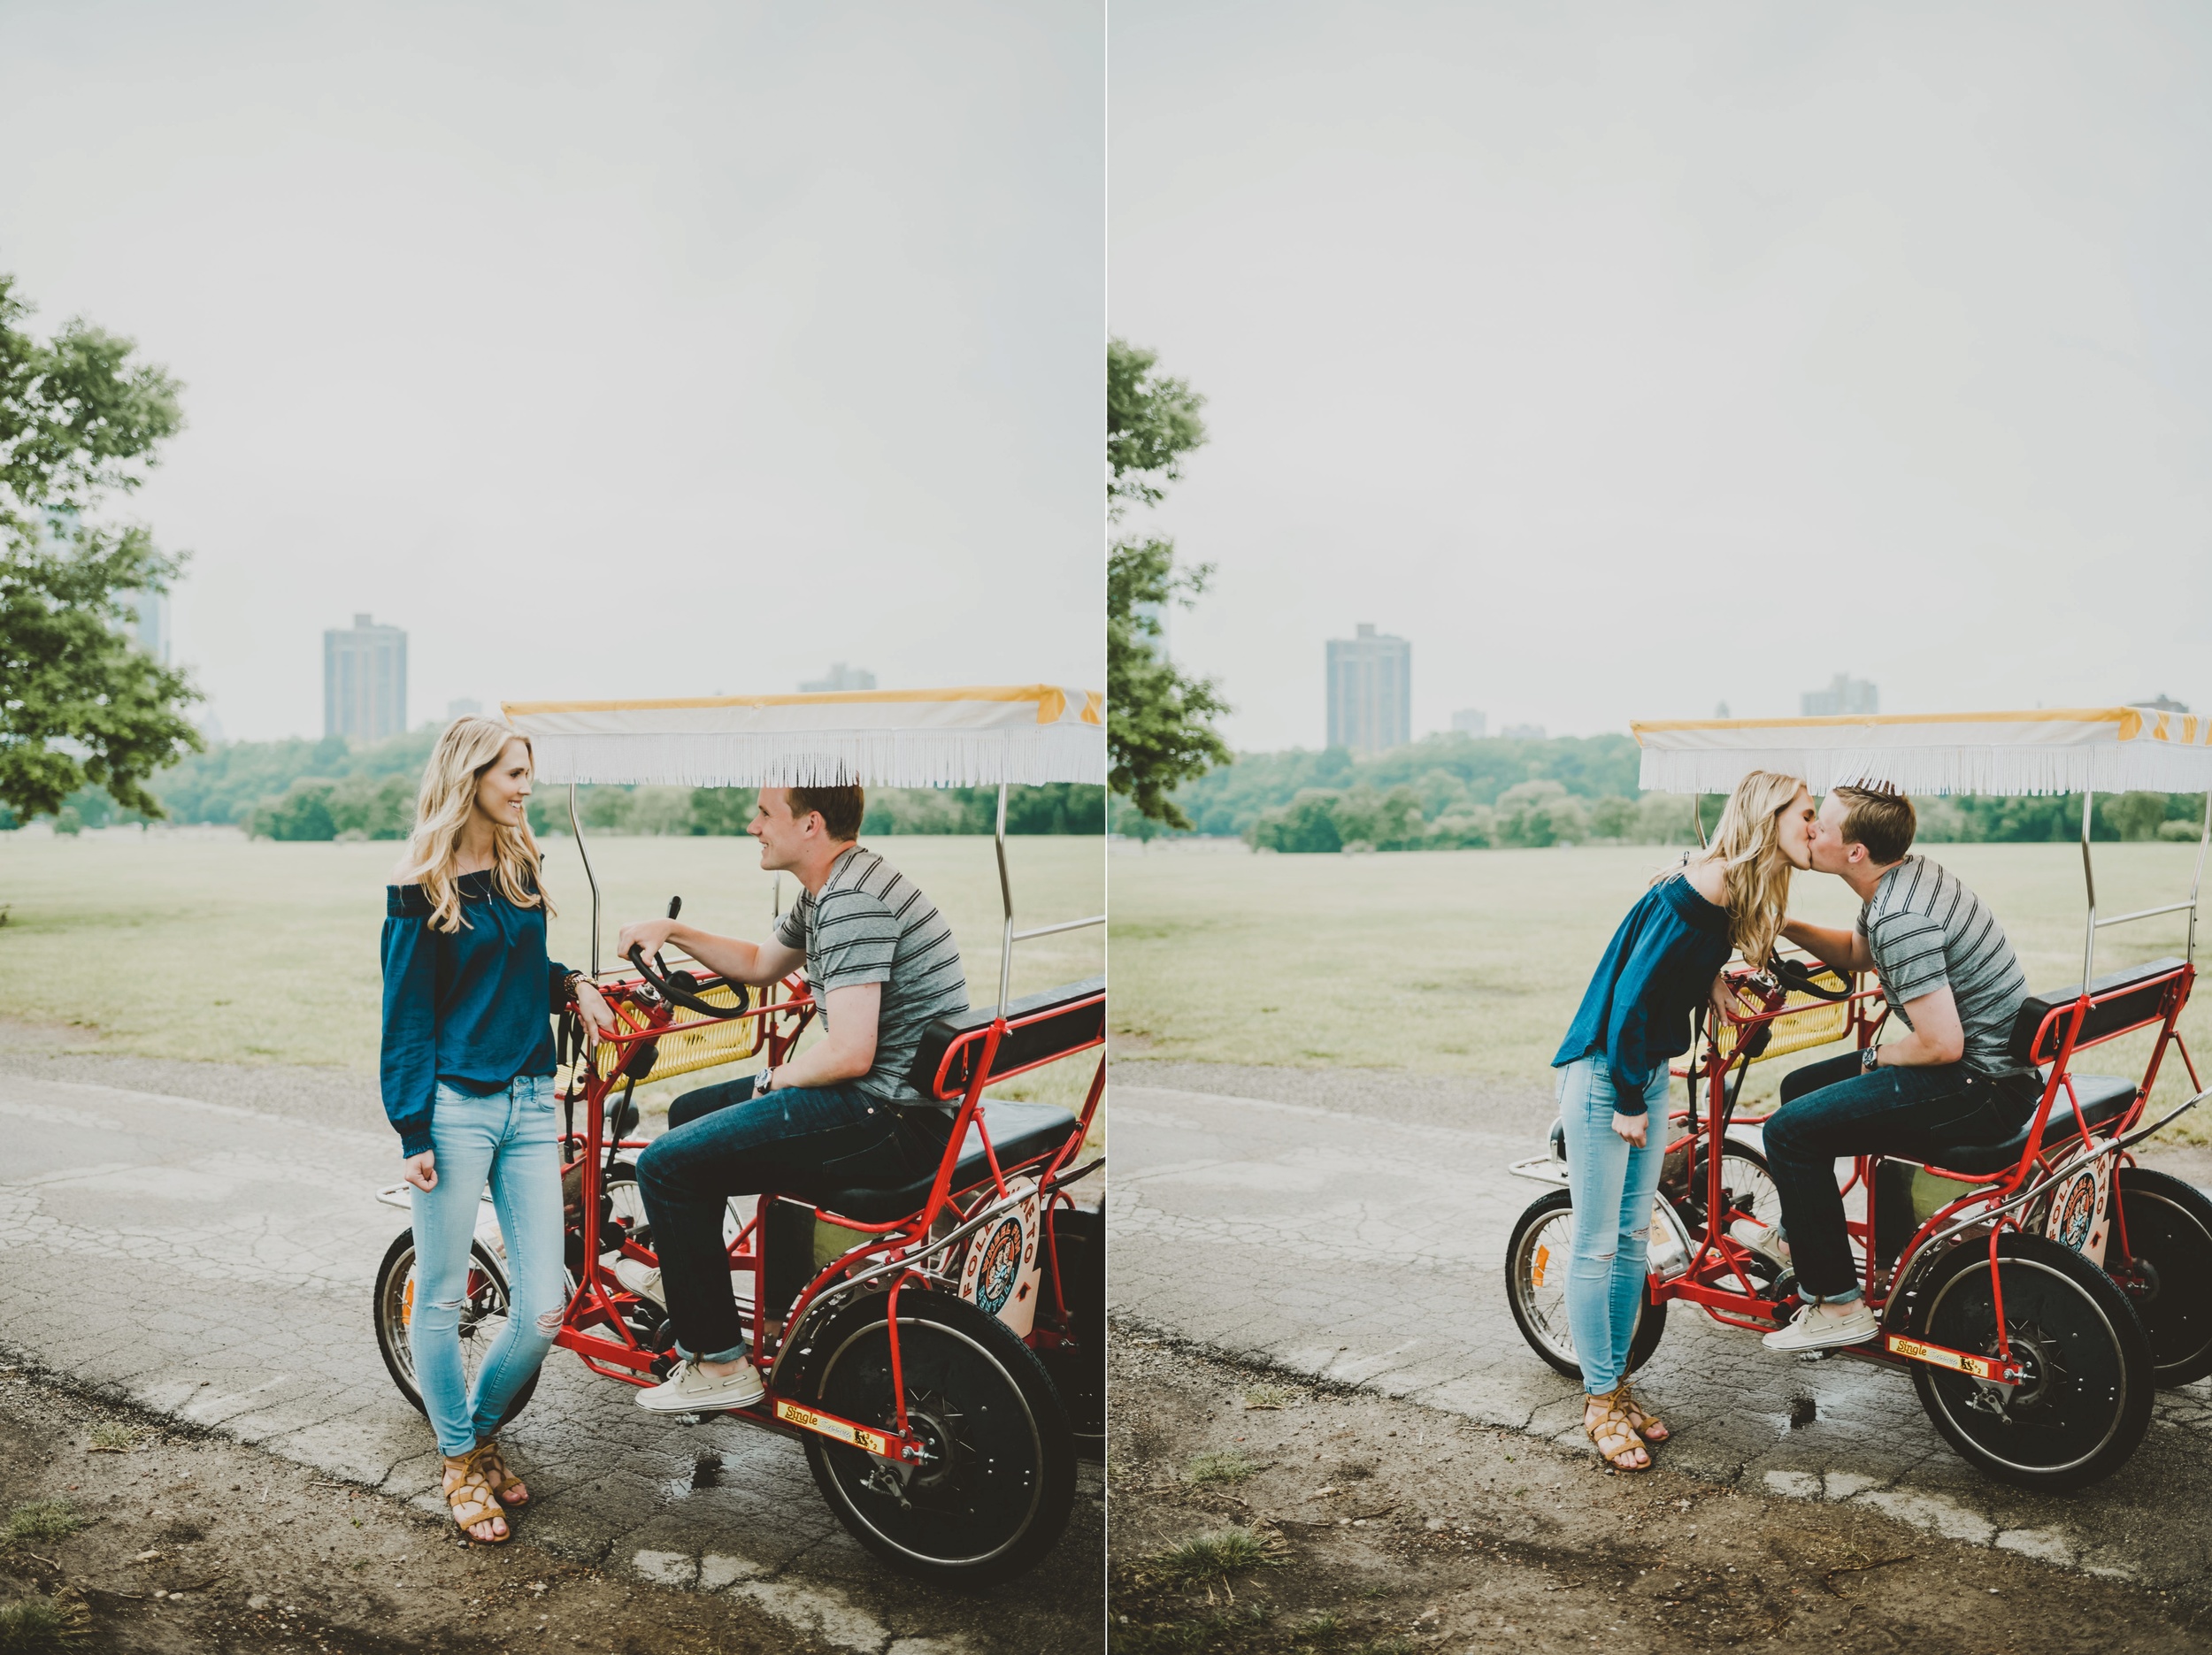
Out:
{"x": 1536, "y": 1287}
{"x": 1077, "y": 1363}
{"x": 482, "y": 1318}
{"x": 998, "y": 1487}
{"x": 2169, "y": 1276}
{"x": 2086, "y": 1400}
{"x": 1749, "y": 1186}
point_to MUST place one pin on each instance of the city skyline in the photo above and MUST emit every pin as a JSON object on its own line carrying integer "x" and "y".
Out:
{"x": 854, "y": 262}
{"x": 1649, "y": 360}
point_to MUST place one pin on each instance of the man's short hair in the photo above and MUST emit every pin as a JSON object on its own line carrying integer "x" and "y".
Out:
{"x": 1882, "y": 820}
{"x": 841, "y": 808}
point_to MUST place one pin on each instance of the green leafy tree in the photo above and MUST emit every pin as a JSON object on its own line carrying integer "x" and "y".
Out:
{"x": 80, "y": 418}
{"x": 1308, "y": 823}
{"x": 2135, "y": 816}
{"x": 1159, "y": 721}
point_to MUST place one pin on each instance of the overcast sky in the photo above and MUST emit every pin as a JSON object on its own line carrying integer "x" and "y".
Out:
{"x": 632, "y": 350}
{"x": 1631, "y": 359}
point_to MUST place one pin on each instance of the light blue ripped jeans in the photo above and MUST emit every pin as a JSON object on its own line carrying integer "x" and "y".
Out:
{"x": 1614, "y": 1183}
{"x": 509, "y": 1140}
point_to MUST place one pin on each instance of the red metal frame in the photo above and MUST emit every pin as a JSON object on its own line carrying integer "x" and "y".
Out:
{"x": 1718, "y": 1259}
{"x": 593, "y": 1325}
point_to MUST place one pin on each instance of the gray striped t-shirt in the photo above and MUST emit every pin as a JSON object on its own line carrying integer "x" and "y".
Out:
{"x": 1925, "y": 929}
{"x": 870, "y": 923}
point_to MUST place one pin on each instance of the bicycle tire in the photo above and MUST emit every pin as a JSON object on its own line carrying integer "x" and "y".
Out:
{"x": 1004, "y": 1484}
{"x": 488, "y": 1298}
{"x": 2168, "y": 1227}
{"x": 2086, "y": 1403}
{"x": 1547, "y": 1226}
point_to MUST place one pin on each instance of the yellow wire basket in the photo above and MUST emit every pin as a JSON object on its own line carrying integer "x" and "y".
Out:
{"x": 1806, "y": 1021}
{"x": 702, "y": 1046}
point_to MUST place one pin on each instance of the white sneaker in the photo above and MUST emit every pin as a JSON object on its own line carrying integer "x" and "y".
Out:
{"x": 1825, "y": 1327}
{"x": 688, "y": 1390}
{"x": 1766, "y": 1240}
{"x": 641, "y": 1278}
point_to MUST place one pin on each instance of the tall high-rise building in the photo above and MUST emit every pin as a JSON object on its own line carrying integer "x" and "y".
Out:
{"x": 840, "y": 677}
{"x": 152, "y": 631}
{"x": 1371, "y": 691}
{"x": 1844, "y": 694}
{"x": 365, "y": 680}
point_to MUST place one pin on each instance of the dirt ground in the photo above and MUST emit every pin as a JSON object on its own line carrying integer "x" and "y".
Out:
{"x": 118, "y": 1532}
{"x": 1254, "y": 1515}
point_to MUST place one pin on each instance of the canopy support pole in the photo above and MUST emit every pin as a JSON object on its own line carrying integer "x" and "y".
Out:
{"x": 577, "y": 828}
{"x": 1006, "y": 895}
{"x": 2197, "y": 878}
{"x": 2089, "y": 880}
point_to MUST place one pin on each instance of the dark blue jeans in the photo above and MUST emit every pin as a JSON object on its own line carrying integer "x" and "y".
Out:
{"x": 1831, "y": 1110}
{"x": 723, "y": 1141}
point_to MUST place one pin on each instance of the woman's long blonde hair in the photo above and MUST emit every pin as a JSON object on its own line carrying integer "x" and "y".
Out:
{"x": 1748, "y": 845}
{"x": 468, "y": 748}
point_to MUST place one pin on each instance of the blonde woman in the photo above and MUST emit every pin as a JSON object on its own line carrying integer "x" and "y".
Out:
{"x": 1664, "y": 960}
{"x": 469, "y": 996}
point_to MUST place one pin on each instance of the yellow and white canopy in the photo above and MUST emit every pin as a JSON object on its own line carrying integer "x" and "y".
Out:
{"x": 976, "y": 737}
{"x": 2104, "y": 749}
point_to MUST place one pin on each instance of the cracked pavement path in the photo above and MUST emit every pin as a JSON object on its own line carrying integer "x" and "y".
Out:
{"x": 1351, "y": 1225}
{"x": 213, "y": 1261}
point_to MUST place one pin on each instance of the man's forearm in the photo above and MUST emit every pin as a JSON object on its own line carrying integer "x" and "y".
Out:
{"x": 1837, "y": 948}
{"x": 825, "y": 1064}
{"x": 728, "y": 957}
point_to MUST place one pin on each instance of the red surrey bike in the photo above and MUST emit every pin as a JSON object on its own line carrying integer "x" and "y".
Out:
{"x": 945, "y": 1362}
{"x": 2037, "y": 1291}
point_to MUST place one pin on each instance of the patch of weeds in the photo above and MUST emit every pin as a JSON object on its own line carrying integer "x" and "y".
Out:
{"x": 1208, "y": 1558}
{"x": 1228, "y": 1465}
{"x": 40, "y": 1520}
{"x": 44, "y": 1626}
{"x": 110, "y": 1437}
{"x": 1217, "y": 1633}
{"x": 1269, "y": 1396}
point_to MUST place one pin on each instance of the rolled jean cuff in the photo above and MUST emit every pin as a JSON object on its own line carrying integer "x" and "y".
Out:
{"x": 734, "y": 1353}
{"x": 1850, "y": 1296}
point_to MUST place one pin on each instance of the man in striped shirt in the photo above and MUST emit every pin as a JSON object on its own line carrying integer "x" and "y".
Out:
{"x": 881, "y": 965}
{"x": 1952, "y": 979}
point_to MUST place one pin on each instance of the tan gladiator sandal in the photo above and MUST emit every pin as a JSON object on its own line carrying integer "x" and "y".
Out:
{"x": 512, "y": 1493}
{"x": 1644, "y": 1425}
{"x": 1609, "y": 1429}
{"x": 469, "y": 1496}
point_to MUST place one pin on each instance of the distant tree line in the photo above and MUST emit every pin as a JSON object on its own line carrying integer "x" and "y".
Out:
{"x": 336, "y": 789}
{"x": 1457, "y": 791}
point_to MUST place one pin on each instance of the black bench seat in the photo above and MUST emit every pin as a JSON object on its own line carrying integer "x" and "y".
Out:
{"x": 2104, "y": 1098}
{"x": 1020, "y": 1132}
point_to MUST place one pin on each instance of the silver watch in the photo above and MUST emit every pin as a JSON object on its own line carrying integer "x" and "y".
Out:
{"x": 1870, "y": 1060}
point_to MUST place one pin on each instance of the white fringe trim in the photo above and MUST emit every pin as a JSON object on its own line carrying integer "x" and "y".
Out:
{"x": 1031, "y": 756}
{"x": 2148, "y": 767}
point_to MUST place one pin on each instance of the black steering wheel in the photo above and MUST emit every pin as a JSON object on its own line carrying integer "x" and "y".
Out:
{"x": 1799, "y": 977}
{"x": 683, "y": 988}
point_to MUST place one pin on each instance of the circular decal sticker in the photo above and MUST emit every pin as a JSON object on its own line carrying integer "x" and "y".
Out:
{"x": 2075, "y": 1212}
{"x": 1001, "y": 1263}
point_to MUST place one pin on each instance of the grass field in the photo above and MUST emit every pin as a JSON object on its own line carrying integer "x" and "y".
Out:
{"x": 1472, "y": 961}
{"x": 219, "y": 948}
